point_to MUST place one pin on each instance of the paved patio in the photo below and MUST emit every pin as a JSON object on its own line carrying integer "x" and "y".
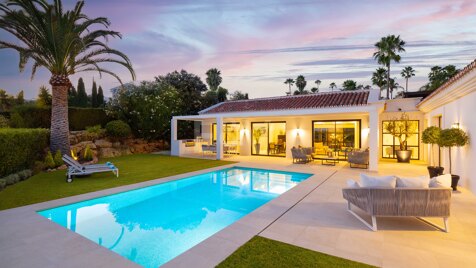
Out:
{"x": 312, "y": 215}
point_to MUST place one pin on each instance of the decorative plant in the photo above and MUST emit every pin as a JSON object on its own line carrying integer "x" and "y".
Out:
{"x": 49, "y": 161}
{"x": 431, "y": 135}
{"x": 402, "y": 129}
{"x": 257, "y": 133}
{"x": 58, "y": 158}
{"x": 452, "y": 137}
{"x": 88, "y": 154}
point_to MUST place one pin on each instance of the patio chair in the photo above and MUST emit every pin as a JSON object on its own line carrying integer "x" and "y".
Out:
{"x": 76, "y": 169}
{"x": 299, "y": 156}
{"x": 359, "y": 159}
{"x": 308, "y": 152}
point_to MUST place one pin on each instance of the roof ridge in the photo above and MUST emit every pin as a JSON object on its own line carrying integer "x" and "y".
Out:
{"x": 302, "y": 96}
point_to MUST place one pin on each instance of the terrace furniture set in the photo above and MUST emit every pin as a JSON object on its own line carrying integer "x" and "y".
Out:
{"x": 356, "y": 158}
{"x": 227, "y": 149}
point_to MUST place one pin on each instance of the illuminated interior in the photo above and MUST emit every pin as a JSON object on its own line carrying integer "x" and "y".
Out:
{"x": 336, "y": 135}
{"x": 231, "y": 133}
{"x": 268, "y": 138}
{"x": 390, "y": 143}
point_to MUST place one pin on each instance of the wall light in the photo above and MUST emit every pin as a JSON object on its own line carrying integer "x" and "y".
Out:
{"x": 298, "y": 132}
{"x": 455, "y": 125}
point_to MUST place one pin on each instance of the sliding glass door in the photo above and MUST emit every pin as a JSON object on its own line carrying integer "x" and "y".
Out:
{"x": 268, "y": 138}
{"x": 335, "y": 136}
{"x": 231, "y": 136}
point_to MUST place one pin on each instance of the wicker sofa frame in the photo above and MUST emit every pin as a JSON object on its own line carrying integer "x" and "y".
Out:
{"x": 400, "y": 202}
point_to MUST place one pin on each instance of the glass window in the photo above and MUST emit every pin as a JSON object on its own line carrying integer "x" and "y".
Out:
{"x": 390, "y": 143}
{"x": 335, "y": 136}
{"x": 231, "y": 135}
{"x": 268, "y": 138}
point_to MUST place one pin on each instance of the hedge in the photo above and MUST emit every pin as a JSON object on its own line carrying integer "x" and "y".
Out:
{"x": 30, "y": 116}
{"x": 20, "y": 148}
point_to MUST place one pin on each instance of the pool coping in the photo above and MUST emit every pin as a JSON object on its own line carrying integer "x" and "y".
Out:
{"x": 24, "y": 232}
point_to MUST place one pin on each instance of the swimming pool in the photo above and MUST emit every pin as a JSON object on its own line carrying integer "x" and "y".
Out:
{"x": 153, "y": 225}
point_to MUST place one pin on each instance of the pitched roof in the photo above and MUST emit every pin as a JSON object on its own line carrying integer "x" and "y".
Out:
{"x": 451, "y": 81}
{"x": 319, "y": 100}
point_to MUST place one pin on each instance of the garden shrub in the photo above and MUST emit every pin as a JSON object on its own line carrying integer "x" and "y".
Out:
{"x": 49, "y": 161}
{"x": 88, "y": 154}
{"x": 118, "y": 129}
{"x": 3, "y": 184}
{"x": 20, "y": 148}
{"x": 24, "y": 174}
{"x": 38, "y": 166}
{"x": 4, "y": 123}
{"x": 12, "y": 179}
{"x": 32, "y": 116}
{"x": 58, "y": 159}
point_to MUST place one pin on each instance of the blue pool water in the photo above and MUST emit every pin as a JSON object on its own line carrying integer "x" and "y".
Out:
{"x": 153, "y": 225}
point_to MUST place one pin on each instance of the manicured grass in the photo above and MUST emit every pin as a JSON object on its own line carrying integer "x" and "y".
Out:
{"x": 262, "y": 252}
{"x": 132, "y": 169}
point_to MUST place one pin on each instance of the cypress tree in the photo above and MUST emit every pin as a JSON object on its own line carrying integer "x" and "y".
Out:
{"x": 72, "y": 96}
{"x": 82, "y": 99}
{"x": 94, "y": 96}
{"x": 100, "y": 98}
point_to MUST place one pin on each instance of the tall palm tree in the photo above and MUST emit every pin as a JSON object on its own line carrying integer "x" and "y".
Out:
{"x": 213, "y": 79}
{"x": 394, "y": 86}
{"x": 387, "y": 49}
{"x": 290, "y": 83}
{"x": 332, "y": 86}
{"x": 407, "y": 73}
{"x": 65, "y": 43}
{"x": 300, "y": 84}
{"x": 379, "y": 78}
{"x": 318, "y": 83}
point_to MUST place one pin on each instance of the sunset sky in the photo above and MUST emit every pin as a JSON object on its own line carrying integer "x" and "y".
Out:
{"x": 258, "y": 44}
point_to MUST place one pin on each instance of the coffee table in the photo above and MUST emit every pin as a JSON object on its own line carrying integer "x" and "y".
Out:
{"x": 329, "y": 160}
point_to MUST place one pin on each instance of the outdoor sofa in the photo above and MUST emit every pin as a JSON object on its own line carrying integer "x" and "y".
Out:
{"x": 358, "y": 159}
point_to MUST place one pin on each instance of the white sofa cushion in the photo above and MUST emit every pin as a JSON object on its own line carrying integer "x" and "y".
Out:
{"x": 416, "y": 182}
{"x": 377, "y": 182}
{"x": 441, "y": 181}
{"x": 352, "y": 184}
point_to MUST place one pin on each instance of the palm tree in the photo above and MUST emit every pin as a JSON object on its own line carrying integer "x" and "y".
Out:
{"x": 379, "y": 78}
{"x": 394, "y": 86}
{"x": 213, "y": 79}
{"x": 407, "y": 73}
{"x": 290, "y": 83}
{"x": 318, "y": 83}
{"x": 300, "y": 84}
{"x": 65, "y": 43}
{"x": 332, "y": 86}
{"x": 387, "y": 49}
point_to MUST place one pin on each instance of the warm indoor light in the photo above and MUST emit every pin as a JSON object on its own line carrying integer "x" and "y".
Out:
{"x": 455, "y": 125}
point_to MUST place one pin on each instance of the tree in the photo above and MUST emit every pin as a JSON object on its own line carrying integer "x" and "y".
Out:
{"x": 213, "y": 79}
{"x": 44, "y": 97}
{"x": 394, "y": 86}
{"x": 332, "y": 86}
{"x": 452, "y": 137}
{"x": 100, "y": 97}
{"x": 438, "y": 76}
{"x": 222, "y": 94}
{"x": 20, "y": 99}
{"x": 387, "y": 49}
{"x": 290, "y": 83}
{"x": 349, "y": 85}
{"x": 6, "y": 101}
{"x": 82, "y": 97}
{"x": 318, "y": 83}
{"x": 407, "y": 73}
{"x": 94, "y": 95}
{"x": 238, "y": 95}
{"x": 379, "y": 78}
{"x": 72, "y": 96}
{"x": 315, "y": 90}
{"x": 190, "y": 88}
{"x": 65, "y": 43}
{"x": 301, "y": 84}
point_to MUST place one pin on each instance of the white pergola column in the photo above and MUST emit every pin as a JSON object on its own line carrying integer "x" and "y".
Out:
{"x": 373, "y": 140}
{"x": 219, "y": 143}
{"x": 175, "y": 146}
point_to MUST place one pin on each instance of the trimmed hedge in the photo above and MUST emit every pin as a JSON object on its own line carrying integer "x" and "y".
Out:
{"x": 20, "y": 148}
{"x": 31, "y": 116}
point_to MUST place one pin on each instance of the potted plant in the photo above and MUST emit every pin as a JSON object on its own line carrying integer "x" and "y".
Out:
{"x": 402, "y": 129}
{"x": 453, "y": 137}
{"x": 431, "y": 135}
{"x": 257, "y": 133}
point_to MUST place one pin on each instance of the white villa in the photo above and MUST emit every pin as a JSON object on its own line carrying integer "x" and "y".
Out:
{"x": 337, "y": 121}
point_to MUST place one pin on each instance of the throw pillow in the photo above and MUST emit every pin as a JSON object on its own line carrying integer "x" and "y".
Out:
{"x": 377, "y": 182}
{"x": 441, "y": 181}
{"x": 417, "y": 182}
{"x": 352, "y": 184}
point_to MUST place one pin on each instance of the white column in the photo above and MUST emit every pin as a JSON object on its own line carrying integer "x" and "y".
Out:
{"x": 373, "y": 140}
{"x": 219, "y": 138}
{"x": 175, "y": 145}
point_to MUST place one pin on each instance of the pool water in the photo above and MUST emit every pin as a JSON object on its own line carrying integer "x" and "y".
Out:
{"x": 152, "y": 225}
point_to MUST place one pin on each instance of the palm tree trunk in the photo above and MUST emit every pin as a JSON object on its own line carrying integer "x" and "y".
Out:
{"x": 59, "y": 136}
{"x": 406, "y": 86}
{"x": 388, "y": 81}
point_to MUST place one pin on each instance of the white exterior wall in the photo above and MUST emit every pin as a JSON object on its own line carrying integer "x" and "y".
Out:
{"x": 462, "y": 111}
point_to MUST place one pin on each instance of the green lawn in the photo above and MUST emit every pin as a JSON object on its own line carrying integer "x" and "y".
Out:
{"x": 262, "y": 252}
{"x": 132, "y": 169}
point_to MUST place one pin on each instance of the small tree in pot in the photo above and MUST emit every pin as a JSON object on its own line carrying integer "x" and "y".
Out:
{"x": 453, "y": 137}
{"x": 402, "y": 129}
{"x": 257, "y": 133}
{"x": 431, "y": 135}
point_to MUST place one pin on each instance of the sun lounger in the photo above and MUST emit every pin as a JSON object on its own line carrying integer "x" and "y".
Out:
{"x": 76, "y": 169}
